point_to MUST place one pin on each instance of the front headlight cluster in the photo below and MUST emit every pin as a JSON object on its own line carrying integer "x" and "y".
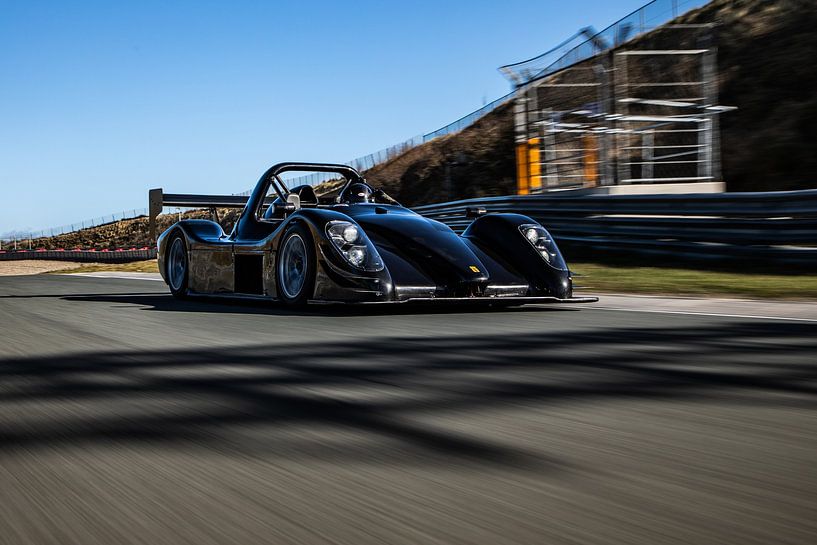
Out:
{"x": 540, "y": 239}
{"x": 354, "y": 245}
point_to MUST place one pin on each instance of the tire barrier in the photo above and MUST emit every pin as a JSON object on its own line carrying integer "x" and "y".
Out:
{"x": 120, "y": 255}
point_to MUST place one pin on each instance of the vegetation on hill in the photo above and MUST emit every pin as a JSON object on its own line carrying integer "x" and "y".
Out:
{"x": 130, "y": 233}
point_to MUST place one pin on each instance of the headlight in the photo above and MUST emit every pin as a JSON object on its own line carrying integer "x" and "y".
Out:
{"x": 356, "y": 256}
{"x": 532, "y": 235}
{"x": 540, "y": 239}
{"x": 354, "y": 245}
{"x": 350, "y": 233}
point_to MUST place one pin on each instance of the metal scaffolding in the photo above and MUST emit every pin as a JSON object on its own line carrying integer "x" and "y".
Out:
{"x": 634, "y": 115}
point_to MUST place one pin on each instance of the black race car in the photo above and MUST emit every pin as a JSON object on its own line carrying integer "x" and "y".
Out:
{"x": 360, "y": 246}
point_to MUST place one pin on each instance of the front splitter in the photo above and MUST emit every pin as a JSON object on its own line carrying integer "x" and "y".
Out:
{"x": 467, "y": 301}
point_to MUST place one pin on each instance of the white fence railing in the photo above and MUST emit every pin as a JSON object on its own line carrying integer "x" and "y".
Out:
{"x": 25, "y": 238}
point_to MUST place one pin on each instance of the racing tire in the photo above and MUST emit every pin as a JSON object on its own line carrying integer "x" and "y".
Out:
{"x": 295, "y": 267}
{"x": 177, "y": 266}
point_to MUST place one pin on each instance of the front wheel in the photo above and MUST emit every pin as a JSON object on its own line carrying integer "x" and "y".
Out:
{"x": 176, "y": 266}
{"x": 296, "y": 266}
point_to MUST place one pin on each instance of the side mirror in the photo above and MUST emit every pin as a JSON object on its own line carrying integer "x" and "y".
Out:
{"x": 475, "y": 211}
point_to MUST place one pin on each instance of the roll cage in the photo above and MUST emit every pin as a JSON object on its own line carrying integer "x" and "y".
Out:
{"x": 249, "y": 220}
{"x": 272, "y": 178}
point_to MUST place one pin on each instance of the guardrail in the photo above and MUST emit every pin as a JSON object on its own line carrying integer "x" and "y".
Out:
{"x": 768, "y": 228}
{"x": 775, "y": 227}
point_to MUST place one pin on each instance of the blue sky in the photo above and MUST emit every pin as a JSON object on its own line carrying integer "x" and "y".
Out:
{"x": 100, "y": 101}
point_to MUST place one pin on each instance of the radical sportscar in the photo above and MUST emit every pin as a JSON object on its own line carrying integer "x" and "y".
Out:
{"x": 360, "y": 246}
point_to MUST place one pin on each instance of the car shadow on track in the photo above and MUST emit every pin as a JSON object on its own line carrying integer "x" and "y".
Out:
{"x": 168, "y": 303}
{"x": 63, "y": 295}
{"x": 396, "y": 400}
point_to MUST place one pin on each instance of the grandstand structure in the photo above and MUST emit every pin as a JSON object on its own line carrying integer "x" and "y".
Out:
{"x": 642, "y": 109}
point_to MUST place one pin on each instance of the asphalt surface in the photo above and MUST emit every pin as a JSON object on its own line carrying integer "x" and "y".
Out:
{"x": 129, "y": 417}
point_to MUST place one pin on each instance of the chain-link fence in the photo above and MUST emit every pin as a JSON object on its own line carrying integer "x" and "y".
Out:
{"x": 23, "y": 239}
{"x": 469, "y": 119}
{"x": 646, "y": 18}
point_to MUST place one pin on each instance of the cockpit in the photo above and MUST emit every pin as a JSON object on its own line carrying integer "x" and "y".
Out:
{"x": 304, "y": 196}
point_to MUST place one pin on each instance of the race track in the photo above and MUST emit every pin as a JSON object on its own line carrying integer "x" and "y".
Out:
{"x": 129, "y": 417}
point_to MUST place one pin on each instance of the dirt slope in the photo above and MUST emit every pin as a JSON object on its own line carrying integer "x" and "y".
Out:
{"x": 477, "y": 162}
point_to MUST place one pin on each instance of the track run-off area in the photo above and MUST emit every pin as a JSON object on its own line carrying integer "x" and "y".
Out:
{"x": 127, "y": 416}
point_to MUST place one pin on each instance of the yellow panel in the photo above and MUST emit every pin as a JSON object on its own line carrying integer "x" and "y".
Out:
{"x": 591, "y": 158}
{"x": 534, "y": 168}
{"x": 522, "y": 182}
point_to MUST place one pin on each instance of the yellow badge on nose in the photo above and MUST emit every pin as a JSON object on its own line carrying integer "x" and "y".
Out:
{"x": 474, "y": 269}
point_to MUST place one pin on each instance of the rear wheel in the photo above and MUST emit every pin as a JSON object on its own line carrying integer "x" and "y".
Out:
{"x": 295, "y": 267}
{"x": 177, "y": 266}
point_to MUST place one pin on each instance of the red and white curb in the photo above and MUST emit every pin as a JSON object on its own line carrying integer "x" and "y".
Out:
{"x": 120, "y": 275}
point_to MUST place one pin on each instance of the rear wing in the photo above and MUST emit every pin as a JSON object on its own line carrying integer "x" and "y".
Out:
{"x": 157, "y": 199}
